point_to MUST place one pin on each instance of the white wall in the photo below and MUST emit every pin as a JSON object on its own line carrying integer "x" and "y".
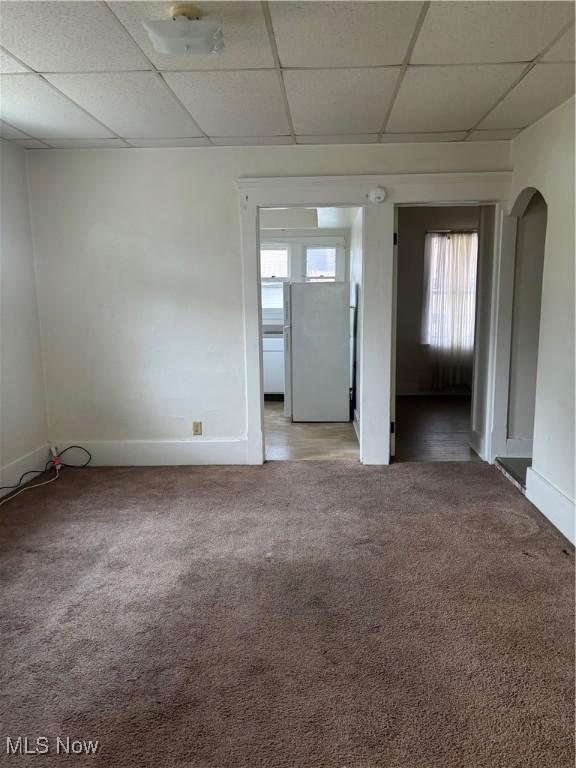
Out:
{"x": 543, "y": 158}
{"x": 414, "y": 363}
{"x": 23, "y": 435}
{"x": 140, "y": 280}
{"x": 530, "y": 241}
{"x": 288, "y": 218}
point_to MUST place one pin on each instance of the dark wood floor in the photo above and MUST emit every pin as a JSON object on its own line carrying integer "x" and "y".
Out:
{"x": 433, "y": 428}
{"x": 515, "y": 469}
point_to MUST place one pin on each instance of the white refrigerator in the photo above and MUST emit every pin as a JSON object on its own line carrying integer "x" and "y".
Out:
{"x": 317, "y": 351}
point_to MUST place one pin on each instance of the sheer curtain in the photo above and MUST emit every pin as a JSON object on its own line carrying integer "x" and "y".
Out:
{"x": 449, "y": 306}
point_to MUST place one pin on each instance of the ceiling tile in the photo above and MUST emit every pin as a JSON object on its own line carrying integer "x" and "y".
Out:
{"x": 7, "y": 132}
{"x": 544, "y": 87}
{"x": 493, "y": 135}
{"x": 67, "y": 37}
{"x": 328, "y": 34}
{"x": 564, "y": 48}
{"x": 31, "y": 144}
{"x": 246, "y": 42}
{"x": 449, "y": 98}
{"x": 201, "y": 142}
{"x": 475, "y": 32}
{"x": 351, "y": 138}
{"x": 9, "y": 65}
{"x": 251, "y": 141}
{"x": 246, "y": 103}
{"x": 87, "y": 143}
{"x": 412, "y": 138}
{"x": 33, "y": 106}
{"x": 335, "y": 101}
{"x": 130, "y": 103}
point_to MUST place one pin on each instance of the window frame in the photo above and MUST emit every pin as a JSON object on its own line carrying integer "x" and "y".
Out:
{"x": 296, "y": 245}
{"x": 274, "y": 316}
{"x": 317, "y": 246}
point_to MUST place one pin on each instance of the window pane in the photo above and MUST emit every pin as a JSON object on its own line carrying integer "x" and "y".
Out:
{"x": 450, "y": 291}
{"x": 274, "y": 262}
{"x": 320, "y": 264}
{"x": 272, "y": 295}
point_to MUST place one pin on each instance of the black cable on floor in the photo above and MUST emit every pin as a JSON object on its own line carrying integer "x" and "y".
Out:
{"x": 14, "y": 490}
{"x": 30, "y": 472}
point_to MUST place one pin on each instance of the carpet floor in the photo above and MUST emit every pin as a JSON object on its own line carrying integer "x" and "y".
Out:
{"x": 294, "y": 615}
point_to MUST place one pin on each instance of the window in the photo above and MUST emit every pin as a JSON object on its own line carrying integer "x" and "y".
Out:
{"x": 449, "y": 291}
{"x": 274, "y": 271}
{"x": 274, "y": 263}
{"x": 321, "y": 264}
{"x": 302, "y": 258}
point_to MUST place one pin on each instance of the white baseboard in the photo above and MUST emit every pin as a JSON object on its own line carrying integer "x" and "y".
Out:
{"x": 518, "y": 447}
{"x": 150, "y": 453}
{"x": 552, "y": 503}
{"x": 11, "y": 473}
{"x": 476, "y": 442}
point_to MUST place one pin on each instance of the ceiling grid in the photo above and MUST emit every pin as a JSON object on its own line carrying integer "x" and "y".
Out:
{"x": 84, "y": 74}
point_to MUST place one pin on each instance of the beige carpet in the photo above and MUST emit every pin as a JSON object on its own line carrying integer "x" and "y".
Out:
{"x": 296, "y": 615}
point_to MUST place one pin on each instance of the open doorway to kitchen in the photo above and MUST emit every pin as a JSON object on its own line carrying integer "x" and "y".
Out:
{"x": 310, "y": 286}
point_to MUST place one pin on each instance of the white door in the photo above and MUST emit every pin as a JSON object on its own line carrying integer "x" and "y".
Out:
{"x": 320, "y": 352}
{"x": 394, "y": 324}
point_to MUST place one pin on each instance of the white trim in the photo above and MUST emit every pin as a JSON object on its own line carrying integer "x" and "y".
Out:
{"x": 156, "y": 453}
{"x": 518, "y": 447}
{"x": 477, "y": 443}
{"x": 553, "y": 504}
{"x": 501, "y": 333}
{"x": 255, "y": 182}
{"x": 377, "y": 277}
{"x": 36, "y": 459}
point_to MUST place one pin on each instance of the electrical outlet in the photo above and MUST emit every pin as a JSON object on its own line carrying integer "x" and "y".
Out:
{"x": 196, "y": 428}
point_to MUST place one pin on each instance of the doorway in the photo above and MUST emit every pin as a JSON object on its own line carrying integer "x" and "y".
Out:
{"x": 525, "y": 332}
{"x": 437, "y": 286}
{"x": 310, "y": 274}
{"x": 378, "y": 195}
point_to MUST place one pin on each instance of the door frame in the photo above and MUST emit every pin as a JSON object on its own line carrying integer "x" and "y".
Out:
{"x": 477, "y": 440}
{"x": 377, "y": 306}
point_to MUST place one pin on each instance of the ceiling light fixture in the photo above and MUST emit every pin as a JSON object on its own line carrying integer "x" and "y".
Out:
{"x": 185, "y": 33}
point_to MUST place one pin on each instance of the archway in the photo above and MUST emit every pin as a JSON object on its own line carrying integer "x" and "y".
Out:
{"x": 532, "y": 213}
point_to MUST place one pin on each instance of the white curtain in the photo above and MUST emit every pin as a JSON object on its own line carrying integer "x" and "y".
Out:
{"x": 449, "y": 306}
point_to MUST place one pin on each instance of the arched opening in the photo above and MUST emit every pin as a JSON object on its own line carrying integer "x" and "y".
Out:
{"x": 532, "y": 212}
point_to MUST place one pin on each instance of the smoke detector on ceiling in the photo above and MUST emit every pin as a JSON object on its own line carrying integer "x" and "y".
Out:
{"x": 185, "y": 33}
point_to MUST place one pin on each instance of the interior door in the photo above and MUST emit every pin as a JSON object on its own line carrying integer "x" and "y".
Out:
{"x": 394, "y": 322}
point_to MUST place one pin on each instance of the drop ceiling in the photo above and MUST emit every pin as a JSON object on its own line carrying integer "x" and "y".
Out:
{"x": 84, "y": 74}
